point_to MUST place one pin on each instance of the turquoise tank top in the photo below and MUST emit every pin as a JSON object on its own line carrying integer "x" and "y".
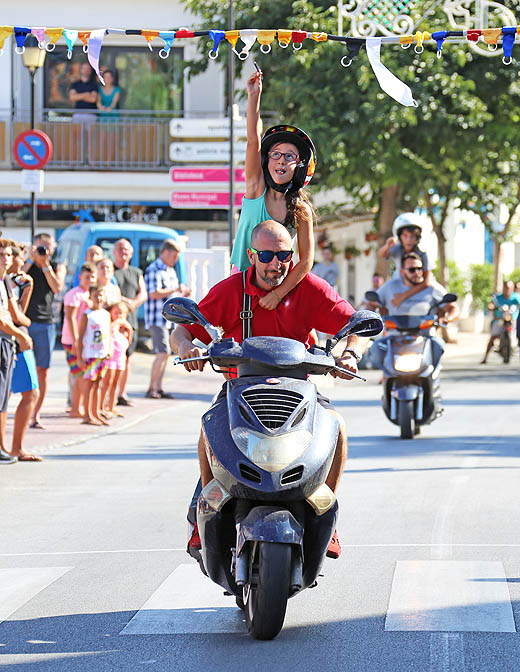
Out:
{"x": 253, "y": 212}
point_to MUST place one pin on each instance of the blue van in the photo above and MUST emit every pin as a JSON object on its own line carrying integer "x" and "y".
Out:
{"x": 146, "y": 239}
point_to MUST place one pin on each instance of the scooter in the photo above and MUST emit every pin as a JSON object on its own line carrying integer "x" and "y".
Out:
{"x": 410, "y": 359}
{"x": 267, "y": 516}
{"x": 505, "y": 347}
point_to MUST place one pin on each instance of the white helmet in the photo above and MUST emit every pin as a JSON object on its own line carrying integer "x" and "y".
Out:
{"x": 408, "y": 220}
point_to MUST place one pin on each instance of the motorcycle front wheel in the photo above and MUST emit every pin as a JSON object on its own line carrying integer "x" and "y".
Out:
{"x": 406, "y": 419}
{"x": 266, "y": 600}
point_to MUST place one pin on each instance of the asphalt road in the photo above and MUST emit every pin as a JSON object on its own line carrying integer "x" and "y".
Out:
{"x": 92, "y": 545}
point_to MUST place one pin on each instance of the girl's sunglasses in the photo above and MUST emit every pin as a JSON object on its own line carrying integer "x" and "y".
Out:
{"x": 266, "y": 256}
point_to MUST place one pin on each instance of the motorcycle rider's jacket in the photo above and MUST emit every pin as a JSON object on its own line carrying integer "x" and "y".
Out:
{"x": 312, "y": 304}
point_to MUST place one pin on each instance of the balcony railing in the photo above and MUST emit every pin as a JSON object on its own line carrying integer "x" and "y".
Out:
{"x": 137, "y": 140}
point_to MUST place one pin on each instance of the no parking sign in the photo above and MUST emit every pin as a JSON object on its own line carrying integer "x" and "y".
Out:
{"x": 32, "y": 149}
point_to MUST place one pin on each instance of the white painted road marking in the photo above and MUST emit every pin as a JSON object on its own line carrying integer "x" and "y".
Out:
{"x": 187, "y": 602}
{"x": 447, "y": 652}
{"x": 450, "y": 596}
{"x": 19, "y": 585}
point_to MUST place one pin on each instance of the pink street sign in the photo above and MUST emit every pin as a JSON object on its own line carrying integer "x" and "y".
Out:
{"x": 196, "y": 174}
{"x": 202, "y": 200}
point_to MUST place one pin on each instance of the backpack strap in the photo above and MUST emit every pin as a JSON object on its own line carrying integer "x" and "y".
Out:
{"x": 246, "y": 314}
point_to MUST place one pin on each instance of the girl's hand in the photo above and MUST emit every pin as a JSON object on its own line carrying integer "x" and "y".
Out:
{"x": 254, "y": 84}
{"x": 269, "y": 302}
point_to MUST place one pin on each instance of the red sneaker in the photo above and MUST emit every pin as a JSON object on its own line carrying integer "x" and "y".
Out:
{"x": 194, "y": 541}
{"x": 334, "y": 549}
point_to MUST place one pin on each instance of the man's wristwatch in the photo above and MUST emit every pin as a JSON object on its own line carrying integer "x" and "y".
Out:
{"x": 355, "y": 353}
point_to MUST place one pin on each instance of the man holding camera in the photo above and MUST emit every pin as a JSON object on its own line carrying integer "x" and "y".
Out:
{"x": 48, "y": 280}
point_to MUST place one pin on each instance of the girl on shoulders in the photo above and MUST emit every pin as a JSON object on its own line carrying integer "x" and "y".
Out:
{"x": 278, "y": 166}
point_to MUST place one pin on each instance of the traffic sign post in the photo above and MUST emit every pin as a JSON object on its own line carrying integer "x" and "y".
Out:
{"x": 32, "y": 151}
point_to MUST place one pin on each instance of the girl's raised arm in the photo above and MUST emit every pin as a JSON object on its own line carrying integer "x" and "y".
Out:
{"x": 255, "y": 183}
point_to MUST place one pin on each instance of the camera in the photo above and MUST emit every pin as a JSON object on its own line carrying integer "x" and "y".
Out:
{"x": 42, "y": 250}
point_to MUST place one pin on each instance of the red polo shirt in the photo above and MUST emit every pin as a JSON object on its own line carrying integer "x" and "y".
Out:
{"x": 312, "y": 304}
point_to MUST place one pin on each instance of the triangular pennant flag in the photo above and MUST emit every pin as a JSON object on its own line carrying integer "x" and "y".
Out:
{"x": 390, "y": 84}
{"x": 94, "y": 49}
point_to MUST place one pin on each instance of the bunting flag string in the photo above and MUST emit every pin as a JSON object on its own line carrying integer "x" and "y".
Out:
{"x": 92, "y": 42}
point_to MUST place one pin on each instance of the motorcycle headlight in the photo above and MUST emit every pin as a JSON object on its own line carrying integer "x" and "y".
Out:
{"x": 408, "y": 362}
{"x": 272, "y": 453}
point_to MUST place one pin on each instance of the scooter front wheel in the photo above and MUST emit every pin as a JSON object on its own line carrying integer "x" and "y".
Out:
{"x": 406, "y": 419}
{"x": 505, "y": 348}
{"x": 266, "y": 600}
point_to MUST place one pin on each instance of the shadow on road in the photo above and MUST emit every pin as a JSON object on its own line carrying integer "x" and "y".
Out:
{"x": 391, "y": 446}
{"x": 91, "y": 642}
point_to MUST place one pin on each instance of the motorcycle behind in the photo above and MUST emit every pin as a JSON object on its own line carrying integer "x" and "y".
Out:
{"x": 410, "y": 359}
{"x": 505, "y": 326}
{"x": 267, "y": 516}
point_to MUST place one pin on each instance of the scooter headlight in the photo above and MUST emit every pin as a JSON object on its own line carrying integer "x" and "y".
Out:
{"x": 272, "y": 453}
{"x": 408, "y": 362}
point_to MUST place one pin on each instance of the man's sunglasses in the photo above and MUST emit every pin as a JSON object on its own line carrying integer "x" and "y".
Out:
{"x": 266, "y": 256}
{"x": 414, "y": 269}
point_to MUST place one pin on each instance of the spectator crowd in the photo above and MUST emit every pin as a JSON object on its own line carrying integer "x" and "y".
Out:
{"x": 98, "y": 332}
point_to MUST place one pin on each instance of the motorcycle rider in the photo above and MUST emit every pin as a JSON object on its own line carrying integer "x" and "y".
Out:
{"x": 312, "y": 304}
{"x": 407, "y": 231}
{"x": 508, "y": 298}
{"x": 411, "y": 276}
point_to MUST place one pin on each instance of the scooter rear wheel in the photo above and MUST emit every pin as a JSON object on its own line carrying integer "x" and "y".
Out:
{"x": 266, "y": 602}
{"x": 406, "y": 419}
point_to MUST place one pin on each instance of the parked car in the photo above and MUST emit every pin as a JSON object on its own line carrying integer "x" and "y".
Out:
{"x": 146, "y": 240}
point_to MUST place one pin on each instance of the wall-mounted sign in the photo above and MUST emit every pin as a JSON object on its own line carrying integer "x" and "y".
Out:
{"x": 206, "y": 128}
{"x": 202, "y": 200}
{"x": 204, "y": 152}
{"x": 202, "y": 174}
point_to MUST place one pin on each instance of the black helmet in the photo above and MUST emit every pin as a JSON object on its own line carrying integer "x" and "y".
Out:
{"x": 305, "y": 168}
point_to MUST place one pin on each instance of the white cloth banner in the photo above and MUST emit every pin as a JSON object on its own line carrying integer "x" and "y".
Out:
{"x": 390, "y": 84}
{"x": 95, "y": 43}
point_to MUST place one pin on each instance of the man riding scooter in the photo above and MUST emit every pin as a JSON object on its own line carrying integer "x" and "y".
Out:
{"x": 233, "y": 304}
{"x": 411, "y": 275}
{"x": 409, "y": 356}
{"x": 508, "y": 298}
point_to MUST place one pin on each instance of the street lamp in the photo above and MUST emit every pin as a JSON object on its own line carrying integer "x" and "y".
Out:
{"x": 33, "y": 59}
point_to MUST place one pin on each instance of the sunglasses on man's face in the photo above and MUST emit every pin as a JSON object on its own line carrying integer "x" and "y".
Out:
{"x": 266, "y": 256}
{"x": 414, "y": 269}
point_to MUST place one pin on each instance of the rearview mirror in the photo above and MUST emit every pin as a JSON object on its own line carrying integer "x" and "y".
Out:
{"x": 182, "y": 311}
{"x": 449, "y": 298}
{"x": 364, "y": 323}
{"x": 185, "y": 311}
{"x": 373, "y": 297}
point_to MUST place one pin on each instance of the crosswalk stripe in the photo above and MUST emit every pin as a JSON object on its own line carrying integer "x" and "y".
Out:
{"x": 450, "y": 596}
{"x": 187, "y": 602}
{"x": 19, "y": 585}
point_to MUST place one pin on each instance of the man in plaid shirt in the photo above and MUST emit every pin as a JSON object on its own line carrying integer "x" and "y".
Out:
{"x": 161, "y": 283}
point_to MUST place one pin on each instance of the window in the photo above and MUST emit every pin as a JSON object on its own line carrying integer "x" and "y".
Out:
{"x": 107, "y": 245}
{"x": 147, "y": 82}
{"x": 149, "y": 250}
